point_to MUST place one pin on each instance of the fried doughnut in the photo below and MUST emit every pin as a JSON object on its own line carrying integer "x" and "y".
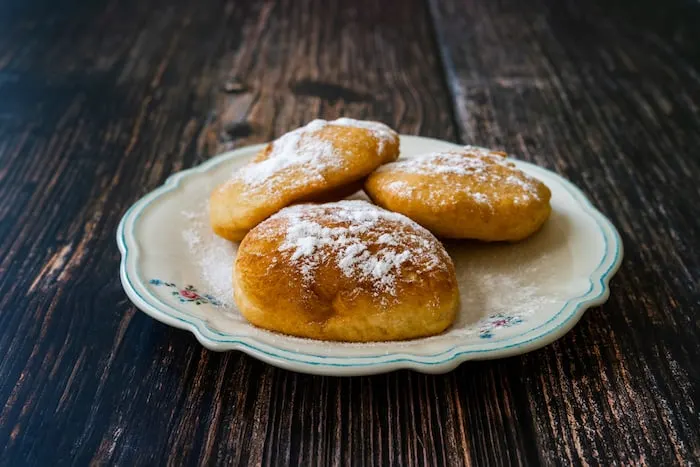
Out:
{"x": 470, "y": 193}
{"x": 323, "y": 161}
{"x": 346, "y": 271}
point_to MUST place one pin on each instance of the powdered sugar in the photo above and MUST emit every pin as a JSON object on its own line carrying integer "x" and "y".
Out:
{"x": 213, "y": 256}
{"x": 480, "y": 198}
{"x": 381, "y": 131}
{"x": 472, "y": 165}
{"x": 399, "y": 187}
{"x": 497, "y": 281}
{"x": 367, "y": 243}
{"x": 294, "y": 150}
{"x": 386, "y": 239}
{"x": 299, "y": 150}
{"x": 483, "y": 152}
{"x": 457, "y": 163}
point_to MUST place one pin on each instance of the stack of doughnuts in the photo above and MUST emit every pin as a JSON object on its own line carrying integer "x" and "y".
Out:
{"x": 311, "y": 264}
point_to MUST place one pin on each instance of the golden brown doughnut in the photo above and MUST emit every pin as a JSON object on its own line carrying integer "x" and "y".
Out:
{"x": 469, "y": 193}
{"x": 319, "y": 162}
{"x": 345, "y": 271}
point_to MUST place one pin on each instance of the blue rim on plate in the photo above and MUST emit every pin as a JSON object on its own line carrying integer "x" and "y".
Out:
{"x": 531, "y": 339}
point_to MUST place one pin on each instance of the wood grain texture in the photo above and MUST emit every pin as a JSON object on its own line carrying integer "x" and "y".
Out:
{"x": 100, "y": 101}
{"x": 605, "y": 93}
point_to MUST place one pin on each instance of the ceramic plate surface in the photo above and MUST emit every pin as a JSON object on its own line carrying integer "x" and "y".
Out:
{"x": 515, "y": 297}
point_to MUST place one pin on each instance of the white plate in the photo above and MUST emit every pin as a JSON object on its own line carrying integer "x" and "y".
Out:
{"x": 516, "y": 297}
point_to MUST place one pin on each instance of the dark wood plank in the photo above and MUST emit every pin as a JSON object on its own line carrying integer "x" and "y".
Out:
{"x": 99, "y": 103}
{"x": 605, "y": 93}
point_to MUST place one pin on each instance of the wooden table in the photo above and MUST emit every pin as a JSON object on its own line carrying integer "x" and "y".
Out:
{"x": 101, "y": 100}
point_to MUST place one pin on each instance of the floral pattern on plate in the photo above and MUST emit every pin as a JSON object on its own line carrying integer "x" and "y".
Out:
{"x": 188, "y": 294}
{"x": 498, "y": 321}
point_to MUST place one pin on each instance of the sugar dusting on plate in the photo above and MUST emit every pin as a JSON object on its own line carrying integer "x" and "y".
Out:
{"x": 212, "y": 256}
